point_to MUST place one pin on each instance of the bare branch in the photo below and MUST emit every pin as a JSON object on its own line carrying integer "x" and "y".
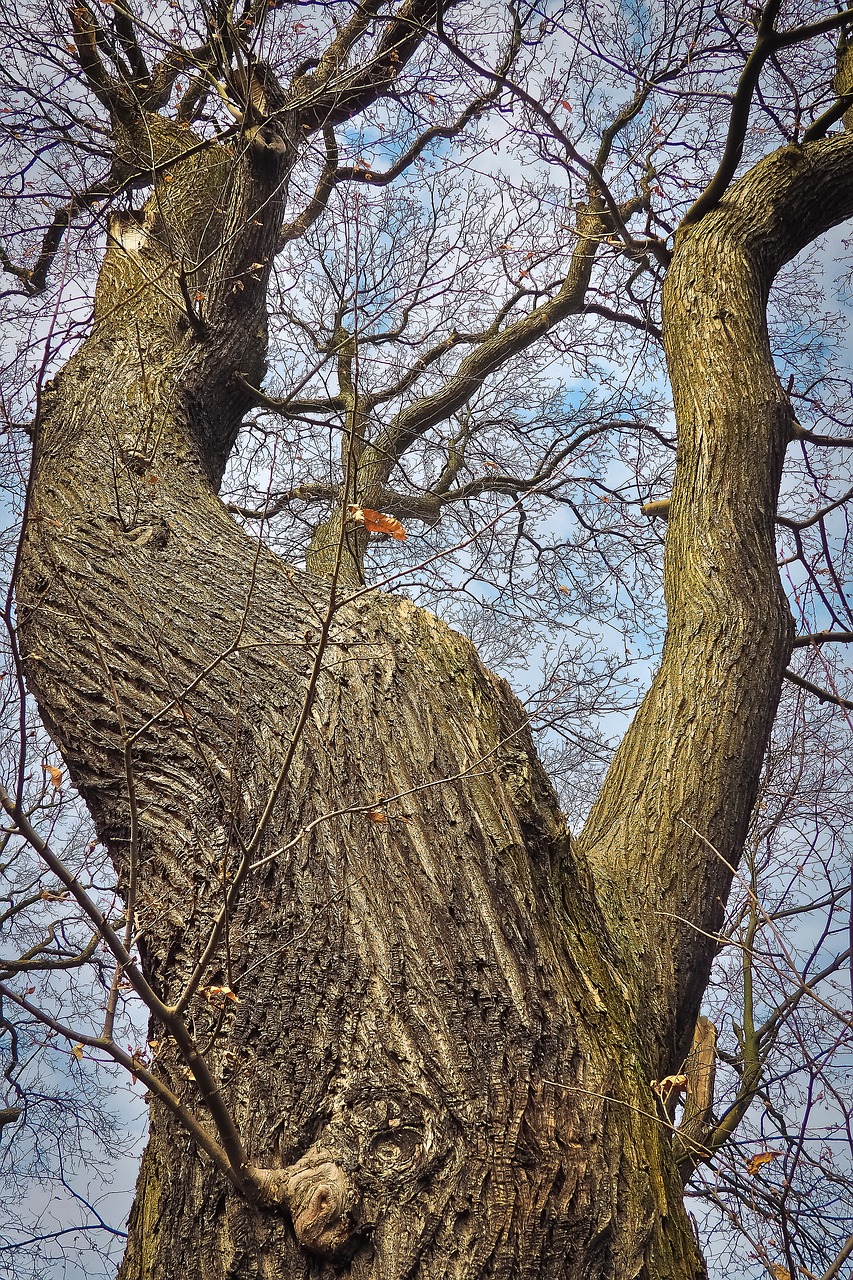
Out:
{"x": 822, "y": 695}
{"x": 787, "y": 522}
{"x": 823, "y": 637}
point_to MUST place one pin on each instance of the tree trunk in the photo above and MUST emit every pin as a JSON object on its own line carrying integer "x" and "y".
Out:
{"x": 448, "y": 1016}
{"x": 424, "y": 984}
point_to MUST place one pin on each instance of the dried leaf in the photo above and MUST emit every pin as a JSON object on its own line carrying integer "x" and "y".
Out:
{"x": 779, "y": 1273}
{"x": 53, "y": 895}
{"x": 670, "y": 1086}
{"x": 212, "y": 992}
{"x": 77, "y": 1052}
{"x": 378, "y": 815}
{"x": 565, "y": 590}
{"x": 376, "y": 522}
{"x": 755, "y": 1162}
{"x": 54, "y": 774}
{"x": 138, "y": 1058}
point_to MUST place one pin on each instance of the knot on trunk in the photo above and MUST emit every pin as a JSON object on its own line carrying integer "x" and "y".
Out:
{"x": 321, "y": 1200}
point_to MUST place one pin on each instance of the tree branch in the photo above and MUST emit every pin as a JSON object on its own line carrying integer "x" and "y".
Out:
{"x": 302, "y": 493}
{"x": 812, "y": 437}
{"x": 787, "y": 522}
{"x": 822, "y": 695}
{"x": 823, "y": 637}
{"x": 335, "y": 94}
{"x": 767, "y": 43}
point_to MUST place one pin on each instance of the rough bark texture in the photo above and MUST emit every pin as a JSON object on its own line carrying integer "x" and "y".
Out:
{"x": 448, "y": 1016}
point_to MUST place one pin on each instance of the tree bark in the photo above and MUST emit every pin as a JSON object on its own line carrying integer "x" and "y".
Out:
{"x": 448, "y": 1015}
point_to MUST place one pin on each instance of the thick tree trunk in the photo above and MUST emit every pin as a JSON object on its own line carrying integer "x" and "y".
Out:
{"x": 446, "y": 1028}
{"x": 425, "y": 985}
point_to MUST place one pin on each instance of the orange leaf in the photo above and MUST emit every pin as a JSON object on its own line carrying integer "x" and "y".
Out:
{"x": 755, "y": 1162}
{"x": 54, "y": 774}
{"x": 670, "y": 1087}
{"x": 378, "y": 815}
{"x": 376, "y": 522}
{"x": 212, "y": 992}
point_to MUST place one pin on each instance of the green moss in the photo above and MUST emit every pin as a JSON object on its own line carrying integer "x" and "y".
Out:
{"x": 149, "y": 1218}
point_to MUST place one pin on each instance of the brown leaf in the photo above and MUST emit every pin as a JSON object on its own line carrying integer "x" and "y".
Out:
{"x": 378, "y": 815}
{"x": 670, "y": 1086}
{"x": 138, "y": 1058}
{"x": 212, "y": 992}
{"x": 376, "y": 522}
{"x": 779, "y": 1273}
{"x": 755, "y": 1162}
{"x": 54, "y": 774}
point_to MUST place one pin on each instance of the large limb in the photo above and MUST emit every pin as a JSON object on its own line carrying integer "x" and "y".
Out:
{"x": 673, "y": 812}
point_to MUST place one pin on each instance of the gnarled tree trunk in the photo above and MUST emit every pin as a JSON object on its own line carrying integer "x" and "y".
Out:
{"x": 448, "y": 1015}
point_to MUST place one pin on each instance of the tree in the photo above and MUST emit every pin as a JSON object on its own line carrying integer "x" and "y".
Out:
{"x": 401, "y": 1020}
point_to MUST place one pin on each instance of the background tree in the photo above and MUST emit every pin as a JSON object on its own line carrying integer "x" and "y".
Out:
{"x": 400, "y": 1020}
